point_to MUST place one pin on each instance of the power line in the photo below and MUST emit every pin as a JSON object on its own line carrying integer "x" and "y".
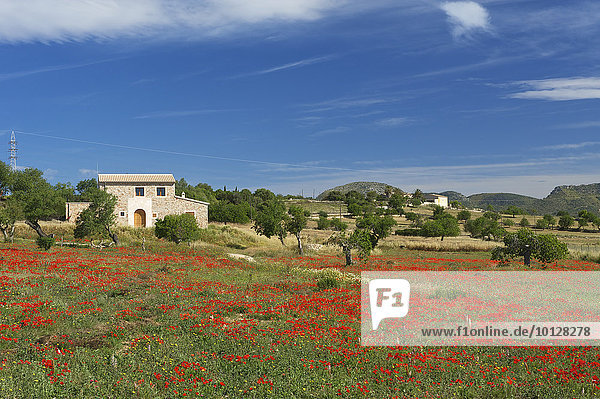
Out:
{"x": 127, "y": 147}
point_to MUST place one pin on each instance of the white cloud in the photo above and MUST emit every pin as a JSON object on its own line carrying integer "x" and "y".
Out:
{"x": 327, "y": 132}
{"x": 68, "y": 20}
{"x": 573, "y": 146}
{"x": 390, "y": 122}
{"x": 562, "y": 89}
{"x": 50, "y": 174}
{"x": 466, "y": 17}
{"x": 87, "y": 172}
{"x": 579, "y": 125}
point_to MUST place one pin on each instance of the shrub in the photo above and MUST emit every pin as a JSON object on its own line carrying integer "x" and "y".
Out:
{"x": 338, "y": 225}
{"x": 177, "y": 228}
{"x": 484, "y": 227}
{"x": 229, "y": 213}
{"x": 323, "y": 223}
{"x": 524, "y": 222}
{"x": 565, "y": 222}
{"x": 464, "y": 215}
{"x": 541, "y": 224}
{"x": 45, "y": 243}
{"x": 327, "y": 283}
{"x": 408, "y": 232}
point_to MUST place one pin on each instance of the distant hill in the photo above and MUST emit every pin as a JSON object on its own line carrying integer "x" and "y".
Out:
{"x": 575, "y": 198}
{"x": 362, "y": 187}
{"x": 562, "y": 198}
{"x": 502, "y": 201}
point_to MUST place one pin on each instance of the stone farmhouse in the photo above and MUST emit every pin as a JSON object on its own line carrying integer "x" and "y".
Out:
{"x": 143, "y": 198}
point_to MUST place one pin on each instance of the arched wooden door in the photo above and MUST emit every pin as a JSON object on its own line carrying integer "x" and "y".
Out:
{"x": 139, "y": 218}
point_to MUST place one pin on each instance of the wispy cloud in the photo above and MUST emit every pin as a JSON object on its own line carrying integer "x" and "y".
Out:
{"x": 391, "y": 122}
{"x": 561, "y": 89}
{"x": 347, "y": 103}
{"x": 291, "y": 65}
{"x": 579, "y": 125}
{"x": 67, "y": 20}
{"x": 178, "y": 114}
{"x": 143, "y": 81}
{"x": 466, "y": 17}
{"x": 53, "y": 68}
{"x": 327, "y": 132}
{"x": 489, "y": 62}
{"x": 570, "y": 146}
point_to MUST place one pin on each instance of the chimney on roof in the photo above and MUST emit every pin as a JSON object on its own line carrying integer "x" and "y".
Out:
{"x": 183, "y": 194}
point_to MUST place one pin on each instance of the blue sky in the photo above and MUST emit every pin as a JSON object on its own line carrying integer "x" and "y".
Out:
{"x": 301, "y": 95}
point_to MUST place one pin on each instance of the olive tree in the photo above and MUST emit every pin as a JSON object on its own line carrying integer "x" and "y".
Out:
{"x": 270, "y": 219}
{"x": 99, "y": 218}
{"x": 296, "y": 222}
{"x": 377, "y": 227}
{"x": 445, "y": 225}
{"x": 565, "y": 222}
{"x": 545, "y": 248}
{"x": 10, "y": 212}
{"x": 358, "y": 240}
{"x": 37, "y": 199}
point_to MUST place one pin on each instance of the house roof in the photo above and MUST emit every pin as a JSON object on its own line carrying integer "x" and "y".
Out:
{"x": 135, "y": 178}
{"x": 191, "y": 200}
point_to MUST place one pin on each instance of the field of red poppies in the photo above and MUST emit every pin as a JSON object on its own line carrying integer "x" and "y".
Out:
{"x": 124, "y": 324}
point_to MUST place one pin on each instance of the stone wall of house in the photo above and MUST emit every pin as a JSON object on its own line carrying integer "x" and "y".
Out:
{"x": 73, "y": 209}
{"x": 125, "y": 191}
{"x": 154, "y": 206}
{"x": 178, "y": 205}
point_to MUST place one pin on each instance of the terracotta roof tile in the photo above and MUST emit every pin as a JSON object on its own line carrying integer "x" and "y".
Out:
{"x": 135, "y": 178}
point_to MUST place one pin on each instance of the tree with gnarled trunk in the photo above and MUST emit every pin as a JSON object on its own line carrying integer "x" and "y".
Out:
{"x": 270, "y": 219}
{"x": 545, "y": 248}
{"x": 296, "y": 223}
{"x": 10, "y": 212}
{"x": 99, "y": 218}
{"x": 36, "y": 197}
{"x": 358, "y": 239}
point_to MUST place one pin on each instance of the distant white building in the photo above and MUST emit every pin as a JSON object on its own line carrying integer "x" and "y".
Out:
{"x": 436, "y": 199}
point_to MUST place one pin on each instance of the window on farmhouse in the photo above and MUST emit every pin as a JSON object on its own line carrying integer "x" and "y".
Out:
{"x": 160, "y": 191}
{"x": 139, "y": 191}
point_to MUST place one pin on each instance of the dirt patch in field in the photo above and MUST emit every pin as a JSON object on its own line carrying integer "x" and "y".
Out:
{"x": 94, "y": 341}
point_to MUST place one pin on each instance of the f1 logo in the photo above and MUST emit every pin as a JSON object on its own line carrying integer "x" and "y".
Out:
{"x": 389, "y": 298}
